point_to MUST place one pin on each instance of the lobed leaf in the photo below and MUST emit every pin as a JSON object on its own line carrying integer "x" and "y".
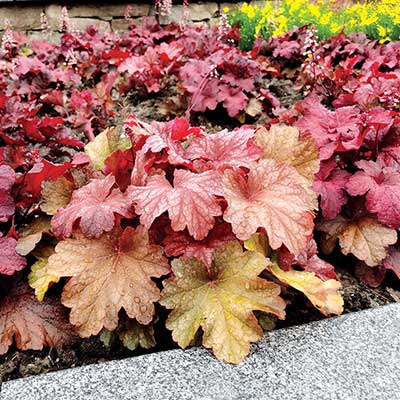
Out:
{"x": 108, "y": 273}
{"x": 10, "y": 260}
{"x": 7, "y": 180}
{"x": 366, "y": 238}
{"x": 272, "y": 197}
{"x": 190, "y": 203}
{"x": 324, "y": 295}
{"x": 39, "y": 279}
{"x": 32, "y": 234}
{"x": 32, "y": 324}
{"x": 220, "y": 301}
{"x": 382, "y": 188}
{"x": 225, "y": 149}
{"x": 56, "y": 194}
{"x": 94, "y": 205}
{"x": 105, "y": 144}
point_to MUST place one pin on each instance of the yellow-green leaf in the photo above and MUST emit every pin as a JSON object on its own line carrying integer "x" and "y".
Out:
{"x": 221, "y": 301}
{"x": 258, "y": 242}
{"x": 39, "y": 279}
{"x": 135, "y": 334}
{"x": 104, "y": 145}
{"x": 324, "y": 295}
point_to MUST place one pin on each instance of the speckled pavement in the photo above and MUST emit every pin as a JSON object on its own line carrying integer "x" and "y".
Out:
{"x": 353, "y": 357}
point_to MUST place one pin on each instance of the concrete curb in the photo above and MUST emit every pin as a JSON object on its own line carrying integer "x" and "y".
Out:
{"x": 356, "y": 356}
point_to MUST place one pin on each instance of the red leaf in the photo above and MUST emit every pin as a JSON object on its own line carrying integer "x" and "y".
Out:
{"x": 333, "y": 131}
{"x": 94, "y": 205}
{"x": 371, "y": 276}
{"x": 392, "y": 261}
{"x": 331, "y": 190}
{"x": 120, "y": 164}
{"x": 234, "y": 99}
{"x": 226, "y": 149}
{"x": 24, "y": 65}
{"x": 190, "y": 203}
{"x": 180, "y": 129}
{"x": 44, "y": 171}
{"x": 178, "y": 243}
{"x": 10, "y": 260}
{"x": 382, "y": 186}
{"x": 31, "y": 129}
{"x": 308, "y": 260}
{"x": 7, "y": 180}
{"x": 7, "y": 206}
{"x": 161, "y": 139}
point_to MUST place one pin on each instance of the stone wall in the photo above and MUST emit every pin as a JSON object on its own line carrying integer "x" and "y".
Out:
{"x": 108, "y": 17}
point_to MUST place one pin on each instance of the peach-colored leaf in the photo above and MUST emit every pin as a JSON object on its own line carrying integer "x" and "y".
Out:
{"x": 190, "y": 202}
{"x": 272, "y": 197}
{"x": 366, "y": 238}
{"x": 111, "y": 272}
{"x": 226, "y": 149}
{"x": 283, "y": 144}
{"x": 94, "y": 206}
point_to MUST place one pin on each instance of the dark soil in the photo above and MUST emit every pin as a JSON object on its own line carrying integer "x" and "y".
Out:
{"x": 357, "y": 295}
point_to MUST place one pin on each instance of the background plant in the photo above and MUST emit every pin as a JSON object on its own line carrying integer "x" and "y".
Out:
{"x": 377, "y": 19}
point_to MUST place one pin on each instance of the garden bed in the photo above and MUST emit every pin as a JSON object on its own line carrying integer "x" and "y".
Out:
{"x": 114, "y": 119}
{"x": 20, "y": 364}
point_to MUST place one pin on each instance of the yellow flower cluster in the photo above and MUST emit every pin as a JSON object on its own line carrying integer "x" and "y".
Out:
{"x": 379, "y": 20}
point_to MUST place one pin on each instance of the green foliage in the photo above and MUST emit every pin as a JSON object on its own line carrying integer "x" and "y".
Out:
{"x": 378, "y": 20}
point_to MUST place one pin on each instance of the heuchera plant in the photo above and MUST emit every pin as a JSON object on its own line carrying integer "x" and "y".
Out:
{"x": 125, "y": 217}
{"x": 230, "y": 197}
{"x": 358, "y": 141}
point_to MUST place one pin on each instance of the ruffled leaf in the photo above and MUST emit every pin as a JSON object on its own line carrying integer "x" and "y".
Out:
{"x": 111, "y": 272}
{"x": 191, "y": 202}
{"x": 220, "y": 301}
{"x": 272, "y": 197}
{"x": 94, "y": 205}
{"x": 366, "y": 238}
{"x": 32, "y": 324}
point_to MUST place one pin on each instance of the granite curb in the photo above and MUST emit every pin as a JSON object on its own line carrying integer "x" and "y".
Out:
{"x": 356, "y": 356}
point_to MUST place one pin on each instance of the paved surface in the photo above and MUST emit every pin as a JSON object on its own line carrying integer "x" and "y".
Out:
{"x": 353, "y": 357}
